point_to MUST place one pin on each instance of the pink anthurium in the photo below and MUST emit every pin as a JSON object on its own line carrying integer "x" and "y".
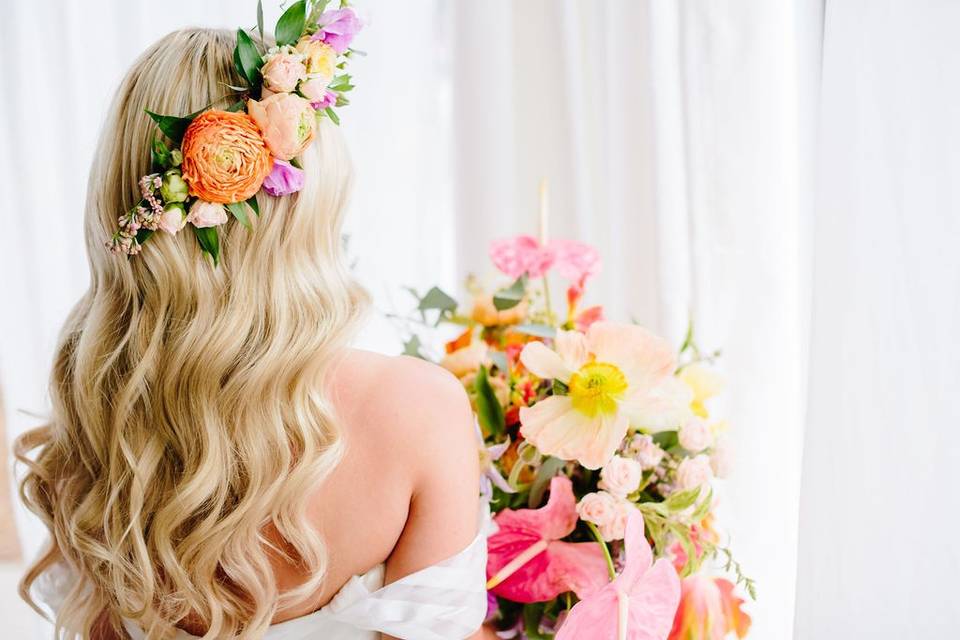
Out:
{"x": 526, "y": 561}
{"x": 639, "y": 604}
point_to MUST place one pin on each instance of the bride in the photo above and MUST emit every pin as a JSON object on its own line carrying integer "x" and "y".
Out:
{"x": 219, "y": 463}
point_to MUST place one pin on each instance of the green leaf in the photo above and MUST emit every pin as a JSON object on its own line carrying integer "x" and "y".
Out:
{"x": 511, "y": 296}
{"x": 702, "y": 509}
{"x": 489, "y": 411}
{"x": 291, "y": 23}
{"x": 260, "y": 21}
{"x": 546, "y": 472}
{"x": 436, "y": 298}
{"x": 237, "y": 106}
{"x": 172, "y": 126}
{"x": 332, "y": 115}
{"x": 239, "y": 211}
{"x": 159, "y": 154}
{"x": 539, "y": 330}
{"x": 666, "y": 439}
{"x": 412, "y": 347}
{"x": 341, "y": 83}
{"x": 253, "y": 204}
{"x": 682, "y": 499}
{"x": 246, "y": 57}
{"x": 143, "y": 235}
{"x": 209, "y": 241}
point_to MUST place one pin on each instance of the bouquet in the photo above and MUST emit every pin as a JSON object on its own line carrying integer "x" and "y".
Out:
{"x": 598, "y": 452}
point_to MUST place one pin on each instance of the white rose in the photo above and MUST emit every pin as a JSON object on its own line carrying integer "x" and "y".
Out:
{"x": 172, "y": 219}
{"x": 645, "y": 451}
{"x": 721, "y": 458}
{"x": 694, "y": 472}
{"x": 695, "y": 436}
{"x": 206, "y": 214}
{"x": 621, "y": 476}
{"x": 599, "y": 508}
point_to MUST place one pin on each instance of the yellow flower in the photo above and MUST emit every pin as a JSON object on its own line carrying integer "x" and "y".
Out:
{"x": 705, "y": 383}
{"x": 617, "y": 375}
{"x": 320, "y": 58}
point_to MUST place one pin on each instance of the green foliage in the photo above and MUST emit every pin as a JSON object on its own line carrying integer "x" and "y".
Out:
{"x": 247, "y": 60}
{"x": 436, "y": 298}
{"x": 548, "y": 469}
{"x": 532, "y": 614}
{"x": 291, "y": 23}
{"x": 260, "y": 21}
{"x": 412, "y": 347}
{"x": 253, "y": 204}
{"x": 209, "y": 240}
{"x": 332, "y": 115}
{"x": 538, "y": 330}
{"x": 489, "y": 410}
{"x": 511, "y": 296}
{"x": 239, "y": 211}
{"x": 172, "y": 126}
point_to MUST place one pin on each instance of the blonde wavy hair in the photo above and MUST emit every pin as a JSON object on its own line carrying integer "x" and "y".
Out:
{"x": 188, "y": 413}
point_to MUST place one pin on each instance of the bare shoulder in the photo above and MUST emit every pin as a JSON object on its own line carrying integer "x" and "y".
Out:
{"x": 403, "y": 398}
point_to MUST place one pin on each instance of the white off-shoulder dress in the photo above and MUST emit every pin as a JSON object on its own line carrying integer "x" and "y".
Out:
{"x": 445, "y": 601}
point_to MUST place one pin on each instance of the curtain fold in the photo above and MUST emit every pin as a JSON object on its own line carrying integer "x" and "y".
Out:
{"x": 878, "y": 555}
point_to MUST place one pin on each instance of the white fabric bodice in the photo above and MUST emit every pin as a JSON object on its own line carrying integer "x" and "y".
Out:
{"x": 445, "y": 601}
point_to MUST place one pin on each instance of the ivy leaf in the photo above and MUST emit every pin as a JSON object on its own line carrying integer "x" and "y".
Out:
{"x": 291, "y": 23}
{"x": 489, "y": 411}
{"x": 253, "y": 204}
{"x": 412, "y": 347}
{"x": 209, "y": 241}
{"x": 436, "y": 298}
{"x": 172, "y": 126}
{"x": 239, "y": 211}
{"x": 511, "y": 296}
{"x": 246, "y": 57}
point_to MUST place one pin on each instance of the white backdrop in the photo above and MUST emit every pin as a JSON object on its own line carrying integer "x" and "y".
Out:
{"x": 879, "y": 556}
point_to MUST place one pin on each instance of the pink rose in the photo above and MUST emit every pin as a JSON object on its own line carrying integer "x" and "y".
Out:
{"x": 616, "y": 527}
{"x": 314, "y": 88}
{"x": 173, "y": 219}
{"x": 206, "y": 214}
{"x": 645, "y": 451}
{"x": 694, "y": 472}
{"x": 621, "y": 476}
{"x": 283, "y": 71}
{"x": 287, "y": 122}
{"x": 598, "y": 508}
{"x": 695, "y": 436}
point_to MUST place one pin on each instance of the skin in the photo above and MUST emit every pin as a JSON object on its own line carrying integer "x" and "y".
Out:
{"x": 406, "y": 491}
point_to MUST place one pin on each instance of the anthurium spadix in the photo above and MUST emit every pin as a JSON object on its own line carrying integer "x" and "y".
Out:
{"x": 616, "y": 376}
{"x": 527, "y": 562}
{"x": 639, "y": 604}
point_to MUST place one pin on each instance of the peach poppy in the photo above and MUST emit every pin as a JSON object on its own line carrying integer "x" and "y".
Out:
{"x": 225, "y": 158}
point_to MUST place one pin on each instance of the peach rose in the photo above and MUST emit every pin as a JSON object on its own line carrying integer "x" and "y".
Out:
{"x": 486, "y": 313}
{"x": 287, "y": 121}
{"x": 314, "y": 88}
{"x": 283, "y": 71}
{"x": 465, "y": 360}
{"x": 206, "y": 214}
{"x": 225, "y": 158}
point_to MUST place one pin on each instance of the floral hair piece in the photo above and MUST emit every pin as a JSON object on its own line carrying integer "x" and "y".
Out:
{"x": 217, "y": 161}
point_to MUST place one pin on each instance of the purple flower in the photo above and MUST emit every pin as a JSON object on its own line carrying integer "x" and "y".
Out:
{"x": 285, "y": 178}
{"x": 337, "y": 28}
{"x": 329, "y": 99}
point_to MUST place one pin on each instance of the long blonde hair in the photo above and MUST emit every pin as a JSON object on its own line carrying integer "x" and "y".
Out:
{"x": 188, "y": 412}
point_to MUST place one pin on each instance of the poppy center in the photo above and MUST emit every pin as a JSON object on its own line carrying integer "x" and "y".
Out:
{"x": 596, "y": 388}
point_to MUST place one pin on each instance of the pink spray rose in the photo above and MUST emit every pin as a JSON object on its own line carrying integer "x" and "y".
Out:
{"x": 287, "y": 122}
{"x": 337, "y": 28}
{"x": 283, "y": 71}
{"x": 695, "y": 436}
{"x": 621, "y": 476}
{"x": 207, "y": 214}
{"x": 173, "y": 218}
{"x": 694, "y": 472}
{"x": 283, "y": 179}
{"x": 609, "y": 512}
{"x": 645, "y": 451}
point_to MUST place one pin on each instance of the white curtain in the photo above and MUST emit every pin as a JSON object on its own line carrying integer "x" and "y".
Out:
{"x": 879, "y": 556}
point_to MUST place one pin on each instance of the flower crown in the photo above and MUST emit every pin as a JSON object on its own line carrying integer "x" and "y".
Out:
{"x": 219, "y": 160}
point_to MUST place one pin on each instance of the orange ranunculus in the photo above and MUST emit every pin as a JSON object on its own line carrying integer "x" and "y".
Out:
{"x": 225, "y": 158}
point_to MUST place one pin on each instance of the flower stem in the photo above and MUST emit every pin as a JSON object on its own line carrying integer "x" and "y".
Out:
{"x": 606, "y": 550}
{"x": 546, "y": 299}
